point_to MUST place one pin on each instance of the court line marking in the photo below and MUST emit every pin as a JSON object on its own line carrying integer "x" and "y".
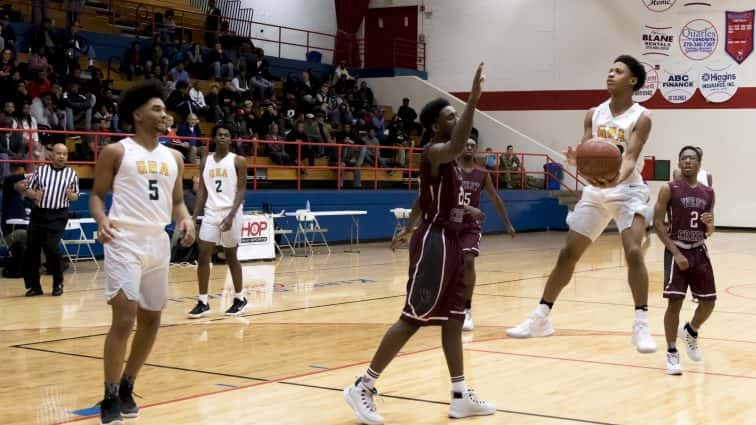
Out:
{"x": 628, "y": 365}
{"x": 284, "y": 381}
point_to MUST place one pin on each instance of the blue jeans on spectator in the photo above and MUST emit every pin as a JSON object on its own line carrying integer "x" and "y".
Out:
{"x": 218, "y": 68}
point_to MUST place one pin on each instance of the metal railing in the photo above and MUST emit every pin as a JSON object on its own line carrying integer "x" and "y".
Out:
{"x": 409, "y": 168}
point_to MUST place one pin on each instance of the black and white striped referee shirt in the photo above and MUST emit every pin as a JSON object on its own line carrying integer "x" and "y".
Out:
{"x": 53, "y": 182}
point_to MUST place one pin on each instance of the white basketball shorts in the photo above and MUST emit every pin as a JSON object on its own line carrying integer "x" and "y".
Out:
{"x": 210, "y": 229}
{"x": 599, "y": 206}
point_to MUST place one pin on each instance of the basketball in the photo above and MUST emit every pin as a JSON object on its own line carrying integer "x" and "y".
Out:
{"x": 598, "y": 159}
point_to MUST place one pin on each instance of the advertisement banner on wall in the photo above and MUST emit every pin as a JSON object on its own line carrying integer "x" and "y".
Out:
{"x": 718, "y": 82}
{"x": 678, "y": 82}
{"x": 658, "y": 5}
{"x": 698, "y": 39}
{"x": 257, "y": 238}
{"x": 652, "y": 84}
{"x": 657, "y": 40}
{"x": 739, "y": 35}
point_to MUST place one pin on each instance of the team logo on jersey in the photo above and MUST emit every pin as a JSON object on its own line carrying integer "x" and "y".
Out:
{"x": 658, "y": 5}
{"x": 152, "y": 167}
{"x": 739, "y": 35}
{"x": 218, "y": 172}
{"x": 698, "y": 39}
{"x": 613, "y": 133}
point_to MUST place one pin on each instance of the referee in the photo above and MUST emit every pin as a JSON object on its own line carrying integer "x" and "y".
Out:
{"x": 51, "y": 188}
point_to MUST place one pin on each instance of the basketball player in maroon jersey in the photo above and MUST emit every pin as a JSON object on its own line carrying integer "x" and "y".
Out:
{"x": 475, "y": 179}
{"x": 435, "y": 289}
{"x": 689, "y": 206}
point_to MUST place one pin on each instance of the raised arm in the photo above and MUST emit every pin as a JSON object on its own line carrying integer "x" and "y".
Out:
{"x": 442, "y": 153}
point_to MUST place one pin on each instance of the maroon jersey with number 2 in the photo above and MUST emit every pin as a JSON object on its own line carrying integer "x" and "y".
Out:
{"x": 686, "y": 206}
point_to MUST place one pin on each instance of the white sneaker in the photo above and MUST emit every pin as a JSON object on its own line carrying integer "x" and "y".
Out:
{"x": 691, "y": 344}
{"x": 642, "y": 337}
{"x": 536, "y": 325}
{"x": 360, "y": 399}
{"x": 673, "y": 363}
{"x": 466, "y": 404}
{"x": 468, "y": 325}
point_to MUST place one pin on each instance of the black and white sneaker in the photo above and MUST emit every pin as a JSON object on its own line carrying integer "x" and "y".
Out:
{"x": 200, "y": 310}
{"x": 129, "y": 408}
{"x": 110, "y": 412}
{"x": 237, "y": 307}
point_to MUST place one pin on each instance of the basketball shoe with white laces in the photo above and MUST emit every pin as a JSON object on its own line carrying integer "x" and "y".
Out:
{"x": 673, "y": 363}
{"x": 536, "y": 325}
{"x": 468, "y": 325}
{"x": 464, "y": 404}
{"x": 642, "y": 337}
{"x": 691, "y": 344}
{"x": 361, "y": 400}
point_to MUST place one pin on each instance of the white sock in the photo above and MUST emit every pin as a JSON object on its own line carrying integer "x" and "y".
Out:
{"x": 641, "y": 315}
{"x": 203, "y": 298}
{"x": 239, "y": 295}
{"x": 369, "y": 378}
{"x": 543, "y": 309}
{"x": 458, "y": 384}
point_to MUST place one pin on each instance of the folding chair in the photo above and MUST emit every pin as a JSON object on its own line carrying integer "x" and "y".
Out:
{"x": 308, "y": 229}
{"x": 74, "y": 236}
{"x": 401, "y": 215}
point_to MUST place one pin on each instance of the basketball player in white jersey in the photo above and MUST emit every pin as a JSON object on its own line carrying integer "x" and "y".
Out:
{"x": 223, "y": 181}
{"x": 625, "y": 123}
{"x": 145, "y": 179}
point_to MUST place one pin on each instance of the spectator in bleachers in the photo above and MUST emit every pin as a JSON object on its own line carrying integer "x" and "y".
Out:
{"x": 8, "y": 33}
{"x": 490, "y": 159}
{"x": 179, "y": 73}
{"x": 26, "y": 121}
{"x": 104, "y": 117}
{"x": 212, "y": 23}
{"x": 314, "y": 134}
{"x": 262, "y": 66}
{"x": 407, "y": 114}
{"x": 341, "y": 115}
{"x": 365, "y": 97}
{"x": 168, "y": 27}
{"x": 222, "y": 65}
{"x": 228, "y": 98}
{"x": 22, "y": 93}
{"x": 134, "y": 61}
{"x": 38, "y": 61}
{"x": 261, "y": 88}
{"x": 298, "y": 135}
{"x": 277, "y": 151}
{"x": 74, "y": 46}
{"x": 246, "y": 58}
{"x": 306, "y": 88}
{"x": 179, "y": 100}
{"x": 78, "y": 105}
{"x": 214, "y": 108}
{"x": 510, "y": 165}
{"x": 341, "y": 73}
{"x": 197, "y": 99}
{"x": 43, "y": 36}
{"x": 378, "y": 122}
{"x": 325, "y": 98}
{"x": 195, "y": 62}
{"x": 2, "y": 40}
{"x": 371, "y": 141}
{"x": 240, "y": 83}
{"x": 157, "y": 63}
{"x": 44, "y": 112}
{"x": 7, "y": 69}
{"x": 191, "y": 128}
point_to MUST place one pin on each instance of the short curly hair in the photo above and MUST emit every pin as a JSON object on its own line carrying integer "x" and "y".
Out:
{"x": 136, "y": 96}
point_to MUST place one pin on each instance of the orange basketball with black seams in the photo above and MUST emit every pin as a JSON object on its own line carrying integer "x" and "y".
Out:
{"x": 598, "y": 158}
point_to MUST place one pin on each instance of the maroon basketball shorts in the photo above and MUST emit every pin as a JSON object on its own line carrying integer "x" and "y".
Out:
{"x": 699, "y": 276}
{"x": 469, "y": 239}
{"x": 435, "y": 288}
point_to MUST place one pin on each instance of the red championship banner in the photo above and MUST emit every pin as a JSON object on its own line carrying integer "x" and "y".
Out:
{"x": 739, "y": 35}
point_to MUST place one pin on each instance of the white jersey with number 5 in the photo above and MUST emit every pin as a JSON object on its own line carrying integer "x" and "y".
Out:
{"x": 618, "y": 128}
{"x": 220, "y": 183}
{"x": 143, "y": 188}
